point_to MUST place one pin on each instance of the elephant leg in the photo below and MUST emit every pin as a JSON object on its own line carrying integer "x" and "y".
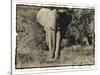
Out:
{"x": 58, "y": 43}
{"x": 47, "y": 38}
{"x": 51, "y": 42}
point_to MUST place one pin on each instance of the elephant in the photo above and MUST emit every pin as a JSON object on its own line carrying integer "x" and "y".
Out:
{"x": 54, "y": 22}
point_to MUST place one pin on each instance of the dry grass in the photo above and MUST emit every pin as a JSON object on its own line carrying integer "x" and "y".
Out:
{"x": 75, "y": 55}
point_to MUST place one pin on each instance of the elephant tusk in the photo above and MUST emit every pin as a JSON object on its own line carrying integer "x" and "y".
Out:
{"x": 58, "y": 29}
{"x": 52, "y": 29}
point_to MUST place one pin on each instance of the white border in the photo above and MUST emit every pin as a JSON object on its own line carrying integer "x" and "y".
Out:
{"x": 42, "y": 70}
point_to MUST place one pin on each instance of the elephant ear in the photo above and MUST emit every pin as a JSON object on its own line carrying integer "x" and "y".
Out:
{"x": 68, "y": 19}
{"x": 64, "y": 18}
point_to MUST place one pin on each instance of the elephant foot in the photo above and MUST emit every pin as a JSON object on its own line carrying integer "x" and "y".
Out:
{"x": 51, "y": 55}
{"x": 56, "y": 57}
{"x": 52, "y": 60}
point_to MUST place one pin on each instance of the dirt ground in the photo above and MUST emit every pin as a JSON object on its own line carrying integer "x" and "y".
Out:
{"x": 70, "y": 56}
{"x": 31, "y": 48}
